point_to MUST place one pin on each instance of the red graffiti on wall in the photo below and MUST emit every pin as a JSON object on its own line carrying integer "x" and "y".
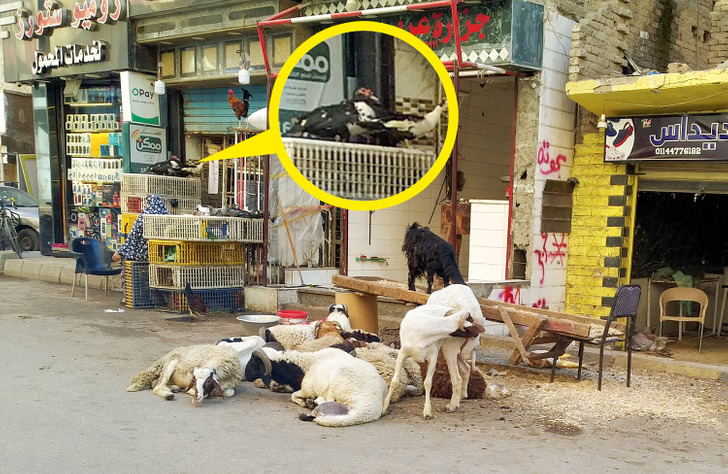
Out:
{"x": 541, "y": 303}
{"x": 546, "y": 164}
{"x": 549, "y": 254}
{"x": 510, "y": 295}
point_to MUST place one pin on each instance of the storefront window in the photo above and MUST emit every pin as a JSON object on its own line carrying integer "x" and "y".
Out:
{"x": 209, "y": 58}
{"x": 232, "y": 56}
{"x": 167, "y": 60}
{"x": 189, "y": 58}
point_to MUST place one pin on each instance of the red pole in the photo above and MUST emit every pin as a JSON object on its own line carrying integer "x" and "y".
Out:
{"x": 452, "y": 238}
{"x": 456, "y": 27}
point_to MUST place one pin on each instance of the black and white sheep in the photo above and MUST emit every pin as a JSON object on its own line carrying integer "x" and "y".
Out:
{"x": 201, "y": 370}
{"x": 421, "y": 333}
{"x": 458, "y": 354}
{"x": 343, "y": 390}
{"x": 429, "y": 254}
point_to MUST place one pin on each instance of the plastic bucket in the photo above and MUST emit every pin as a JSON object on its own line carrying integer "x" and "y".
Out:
{"x": 289, "y": 316}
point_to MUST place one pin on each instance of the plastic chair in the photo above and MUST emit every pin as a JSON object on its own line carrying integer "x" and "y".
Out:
{"x": 92, "y": 258}
{"x": 626, "y": 301}
{"x": 694, "y": 295}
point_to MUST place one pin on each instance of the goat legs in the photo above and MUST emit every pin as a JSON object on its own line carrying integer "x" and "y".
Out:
{"x": 451, "y": 354}
{"x": 395, "y": 380}
{"x": 431, "y": 364}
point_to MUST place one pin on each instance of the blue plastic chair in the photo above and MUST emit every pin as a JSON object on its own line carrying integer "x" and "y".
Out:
{"x": 92, "y": 258}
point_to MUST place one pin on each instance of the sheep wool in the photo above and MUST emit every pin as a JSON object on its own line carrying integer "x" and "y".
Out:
{"x": 383, "y": 358}
{"x": 175, "y": 370}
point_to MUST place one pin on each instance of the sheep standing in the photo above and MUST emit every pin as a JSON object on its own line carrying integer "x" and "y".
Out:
{"x": 201, "y": 370}
{"x": 459, "y": 354}
{"x": 347, "y": 390}
{"x": 422, "y": 332}
{"x": 429, "y": 254}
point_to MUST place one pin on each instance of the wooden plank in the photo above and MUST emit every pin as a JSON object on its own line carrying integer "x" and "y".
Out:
{"x": 528, "y": 338}
{"x": 577, "y": 327}
{"x": 520, "y": 349}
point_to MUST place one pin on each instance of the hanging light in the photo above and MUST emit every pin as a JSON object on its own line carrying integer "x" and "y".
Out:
{"x": 160, "y": 88}
{"x": 243, "y": 73}
{"x": 602, "y": 125}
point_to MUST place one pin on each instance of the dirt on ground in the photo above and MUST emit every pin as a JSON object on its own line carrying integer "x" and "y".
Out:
{"x": 69, "y": 361}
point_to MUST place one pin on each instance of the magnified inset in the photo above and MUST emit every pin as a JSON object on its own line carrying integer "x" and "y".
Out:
{"x": 363, "y": 115}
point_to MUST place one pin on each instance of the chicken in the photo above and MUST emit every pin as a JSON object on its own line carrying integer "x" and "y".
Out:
{"x": 395, "y": 128}
{"x": 194, "y": 302}
{"x": 174, "y": 167}
{"x": 339, "y": 122}
{"x": 240, "y": 107}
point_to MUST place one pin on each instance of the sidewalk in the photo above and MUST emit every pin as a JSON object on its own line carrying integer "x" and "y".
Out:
{"x": 711, "y": 364}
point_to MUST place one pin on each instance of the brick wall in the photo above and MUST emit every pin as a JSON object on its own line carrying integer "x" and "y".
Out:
{"x": 597, "y": 253}
{"x": 719, "y": 35}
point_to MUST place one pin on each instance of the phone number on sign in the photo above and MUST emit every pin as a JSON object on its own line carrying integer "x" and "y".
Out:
{"x": 695, "y": 150}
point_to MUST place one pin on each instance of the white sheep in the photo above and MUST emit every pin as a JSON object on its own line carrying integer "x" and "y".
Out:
{"x": 244, "y": 346}
{"x": 384, "y": 359}
{"x": 343, "y": 389}
{"x": 459, "y": 356}
{"x": 201, "y": 370}
{"x": 290, "y": 336}
{"x": 422, "y": 332}
{"x": 340, "y": 314}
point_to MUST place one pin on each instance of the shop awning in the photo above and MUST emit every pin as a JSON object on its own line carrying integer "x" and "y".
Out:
{"x": 655, "y": 94}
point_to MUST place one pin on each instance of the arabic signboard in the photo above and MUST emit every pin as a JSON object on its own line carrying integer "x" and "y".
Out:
{"x": 667, "y": 137}
{"x": 501, "y": 32}
{"x": 311, "y": 82}
{"x": 67, "y": 38}
{"x": 139, "y": 103}
{"x": 146, "y": 145}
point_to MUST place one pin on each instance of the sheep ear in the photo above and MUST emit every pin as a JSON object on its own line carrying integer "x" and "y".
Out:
{"x": 346, "y": 310}
{"x": 217, "y": 391}
{"x": 331, "y": 307}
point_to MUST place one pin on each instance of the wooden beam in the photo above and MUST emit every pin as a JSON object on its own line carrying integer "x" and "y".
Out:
{"x": 571, "y": 325}
{"x": 528, "y": 338}
{"x": 520, "y": 348}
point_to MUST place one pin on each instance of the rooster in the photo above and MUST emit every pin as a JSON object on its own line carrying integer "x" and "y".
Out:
{"x": 240, "y": 107}
{"x": 194, "y": 302}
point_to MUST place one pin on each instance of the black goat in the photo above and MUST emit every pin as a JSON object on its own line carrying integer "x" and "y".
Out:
{"x": 427, "y": 253}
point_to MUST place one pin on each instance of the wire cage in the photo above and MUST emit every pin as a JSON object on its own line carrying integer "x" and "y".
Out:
{"x": 165, "y": 186}
{"x": 137, "y": 292}
{"x": 131, "y": 203}
{"x": 362, "y": 172}
{"x": 205, "y": 228}
{"x": 226, "y": 299}
{"x": 174, "y": 277}
{"x": 179, "y": 252}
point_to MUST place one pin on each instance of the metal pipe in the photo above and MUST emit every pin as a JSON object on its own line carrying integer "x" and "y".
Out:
{"x": 456, "y": 27}
{"x": 509, "y": 190}
{"x": 345, "y": 242}
{"x": 454, "y": 174}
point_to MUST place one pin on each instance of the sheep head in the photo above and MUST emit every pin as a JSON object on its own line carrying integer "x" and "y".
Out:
{"x": 259, "y": 367}
{"x": 204, "y": 384}
{"x": 340, "y": 314}
{"x": 467, "y": 327}
{"x": 327, "y": 327}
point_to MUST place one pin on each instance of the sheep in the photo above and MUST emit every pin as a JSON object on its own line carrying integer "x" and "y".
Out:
{"x": 293, "y": 336}
{"x": 384, "y": 358}
{"x": 427, "y": 253}
{"x": 345, "y": 390}
{"x": 340, "y": 314}
{"x": 244, "y": 346}
{"x": 460, "y": 357}
{"x": 328, "y": 333}
{"x": 204, "y": 369}
{"x": 422, "y": 332}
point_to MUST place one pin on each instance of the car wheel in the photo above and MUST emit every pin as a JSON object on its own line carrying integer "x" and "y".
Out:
{"x": 28, "y": 239}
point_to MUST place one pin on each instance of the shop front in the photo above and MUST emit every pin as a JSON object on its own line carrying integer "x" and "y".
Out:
{"x": 74, "y": 57}
{"x": 665, "y": 140}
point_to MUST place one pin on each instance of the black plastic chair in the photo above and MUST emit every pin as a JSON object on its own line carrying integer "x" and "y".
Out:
{"x": 626, "y": 301}
{"x": 92, "y": 258}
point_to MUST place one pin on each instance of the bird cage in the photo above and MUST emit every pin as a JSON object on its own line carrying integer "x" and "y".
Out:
{"x": 165, "y": 186}
{"x": 205, "y": 228}
{"x": 361, "y": 172}
{"x": 225, "y": 299}
{"x": 174, "y": 277}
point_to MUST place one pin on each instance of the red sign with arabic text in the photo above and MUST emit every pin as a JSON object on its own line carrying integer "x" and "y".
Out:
{"x": 84, "y": 15}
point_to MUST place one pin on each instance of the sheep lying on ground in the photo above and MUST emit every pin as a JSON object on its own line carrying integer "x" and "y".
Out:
{"x": 384, "y": 359}
{"x": 201, "y": 370}
{"x": 243, "y": 345}
{"x": 421, "y": 333}
{"x": 294, "y": 336}
{"x": 458, "y": 353}
{"x": 346, "y": 390}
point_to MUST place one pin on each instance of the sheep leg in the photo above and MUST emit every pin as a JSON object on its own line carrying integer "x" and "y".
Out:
{"x": 451, "y": 357}
{"x": 161, "y": 389}
{"x": 395, "y": 380}
{"x": 430, "y": 281}
{"x": 303, "y": 399}
{"x": 431, "y": 364}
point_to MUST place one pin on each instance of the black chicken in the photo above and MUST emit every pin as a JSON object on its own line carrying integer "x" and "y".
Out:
{"x": 174, "y": 167}
{"x": 194, "y": 302}
{"x": 339, "y": 122}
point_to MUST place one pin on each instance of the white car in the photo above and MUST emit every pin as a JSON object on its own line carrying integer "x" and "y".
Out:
{"x": 27, "y": 207}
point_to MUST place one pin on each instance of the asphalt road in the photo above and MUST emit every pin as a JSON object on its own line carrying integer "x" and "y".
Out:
{"x": 66, "y": 364}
